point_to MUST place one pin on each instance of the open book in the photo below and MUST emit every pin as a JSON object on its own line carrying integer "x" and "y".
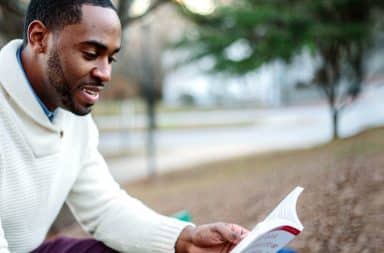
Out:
{"x": 276, "y": 231}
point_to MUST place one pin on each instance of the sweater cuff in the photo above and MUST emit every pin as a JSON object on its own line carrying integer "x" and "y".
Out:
{"x": 166, "y": 235}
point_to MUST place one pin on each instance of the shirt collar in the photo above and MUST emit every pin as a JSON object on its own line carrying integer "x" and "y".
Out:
{"x": 50, "y": 114}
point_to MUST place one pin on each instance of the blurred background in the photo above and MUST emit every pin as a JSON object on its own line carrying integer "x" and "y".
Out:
{"x": 221, "y": 107}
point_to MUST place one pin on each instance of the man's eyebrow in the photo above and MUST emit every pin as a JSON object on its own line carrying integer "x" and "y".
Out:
{"x": 98, "y": 45}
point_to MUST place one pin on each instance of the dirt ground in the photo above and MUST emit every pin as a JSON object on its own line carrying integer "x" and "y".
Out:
{"x": 342, "y": 206}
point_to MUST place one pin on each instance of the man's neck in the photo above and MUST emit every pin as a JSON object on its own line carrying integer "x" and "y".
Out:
{"x": 50, "y": 114}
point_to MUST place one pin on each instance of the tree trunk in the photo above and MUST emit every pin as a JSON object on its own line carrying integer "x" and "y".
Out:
{"x": 335, "y": 123}
{"x": 149, "y": 96}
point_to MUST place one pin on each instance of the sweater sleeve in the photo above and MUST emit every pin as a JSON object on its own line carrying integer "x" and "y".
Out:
{"x": 115, "y": 218}
{"x": 3, "y": 241}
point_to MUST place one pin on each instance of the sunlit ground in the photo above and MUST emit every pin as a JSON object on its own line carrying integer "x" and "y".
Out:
{"x": 341, "y": 207}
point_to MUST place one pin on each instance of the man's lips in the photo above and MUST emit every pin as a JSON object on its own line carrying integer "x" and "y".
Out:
{"x": 92, "y": 90}
{"x": 90, "y": 93}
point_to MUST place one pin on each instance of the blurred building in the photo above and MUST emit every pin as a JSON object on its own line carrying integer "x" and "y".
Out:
{"x": 273, "y": 84}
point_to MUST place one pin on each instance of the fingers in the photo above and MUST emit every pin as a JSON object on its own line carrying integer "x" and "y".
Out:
{"x": 230, "y": 232}
{"x": 217, "y": 235}
{"x": 239, "y": 229}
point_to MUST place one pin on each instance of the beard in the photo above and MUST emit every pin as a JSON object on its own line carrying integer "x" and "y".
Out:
{"x": 62, "y": 87}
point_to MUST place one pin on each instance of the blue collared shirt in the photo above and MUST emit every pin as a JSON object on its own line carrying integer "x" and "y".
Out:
{"x": 47, "y": 112}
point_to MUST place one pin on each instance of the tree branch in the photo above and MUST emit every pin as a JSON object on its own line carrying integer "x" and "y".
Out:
{"x": 325, "y": 90}
{"x": 126, "y": 20}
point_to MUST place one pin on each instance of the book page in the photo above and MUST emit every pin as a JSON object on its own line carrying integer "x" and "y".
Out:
{"x": 286, "y": 209}
{"x": 278, "y": 229}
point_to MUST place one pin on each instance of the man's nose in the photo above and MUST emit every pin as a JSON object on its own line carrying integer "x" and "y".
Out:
{"x": 103, "y": 71}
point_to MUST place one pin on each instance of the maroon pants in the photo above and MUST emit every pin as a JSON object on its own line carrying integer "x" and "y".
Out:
{"x": 72, "y": 245}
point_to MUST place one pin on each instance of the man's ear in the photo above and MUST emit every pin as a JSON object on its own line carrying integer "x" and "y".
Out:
{"x": 38, "y": 36}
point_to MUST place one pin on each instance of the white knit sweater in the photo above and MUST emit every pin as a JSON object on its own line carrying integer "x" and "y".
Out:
{"x": 43, "y": 164}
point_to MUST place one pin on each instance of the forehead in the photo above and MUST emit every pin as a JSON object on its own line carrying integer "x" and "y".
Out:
{"x": 97, "y": 24}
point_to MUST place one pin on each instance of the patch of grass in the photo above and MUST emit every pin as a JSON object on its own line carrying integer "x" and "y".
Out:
{"x": 112, "y": 107}
{"x": 180, "y": 126}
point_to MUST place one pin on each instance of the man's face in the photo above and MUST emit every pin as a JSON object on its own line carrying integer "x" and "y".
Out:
{"x": 80, "y": 58}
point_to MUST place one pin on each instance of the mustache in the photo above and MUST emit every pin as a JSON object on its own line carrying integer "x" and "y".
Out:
{"x": 93, "y": 85}
{"x": 90, "y": 85}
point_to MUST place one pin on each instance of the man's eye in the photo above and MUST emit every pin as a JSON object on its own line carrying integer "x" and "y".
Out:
{"x": 89, "y": 55}
{"x": 112, "y": 59}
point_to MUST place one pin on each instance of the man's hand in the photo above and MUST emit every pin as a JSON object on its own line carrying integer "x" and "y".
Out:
{"x": 210, "y": 238}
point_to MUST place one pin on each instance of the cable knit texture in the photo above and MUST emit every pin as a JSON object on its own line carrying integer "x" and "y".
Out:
{"x": 43, "y": 164}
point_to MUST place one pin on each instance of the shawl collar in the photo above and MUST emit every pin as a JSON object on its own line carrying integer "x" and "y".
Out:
{"x": 40, "y": 132}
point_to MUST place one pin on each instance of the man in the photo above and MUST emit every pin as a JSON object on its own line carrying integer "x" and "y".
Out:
{"x": 48, "y": 142}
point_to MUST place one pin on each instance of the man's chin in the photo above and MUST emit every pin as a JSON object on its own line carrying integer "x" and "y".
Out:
{"x": 80, "y": 110}
{"x": 83, "y": 112}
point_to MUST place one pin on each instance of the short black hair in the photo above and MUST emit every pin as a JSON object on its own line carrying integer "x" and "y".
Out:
{"x": 56, "y": 14}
